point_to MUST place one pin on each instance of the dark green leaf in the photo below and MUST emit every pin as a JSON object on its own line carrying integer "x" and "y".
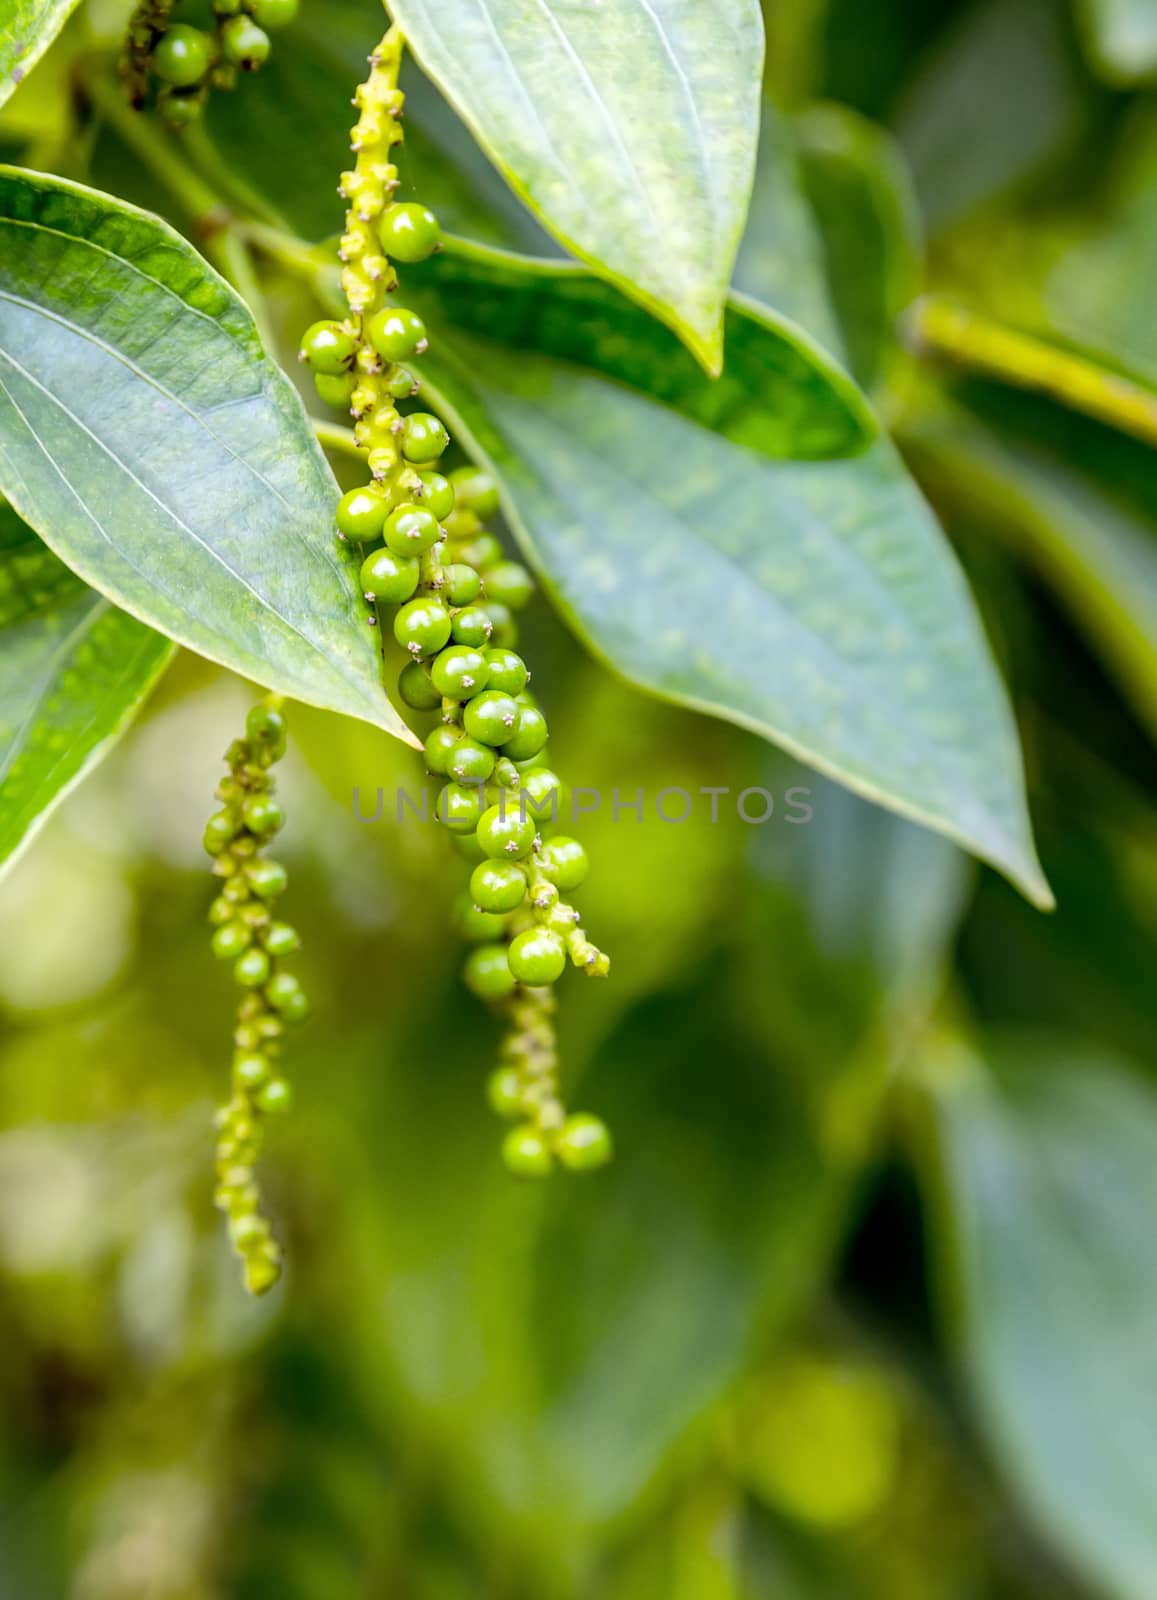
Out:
{"x": 148, "y": 439}
{"x": 816, "y": 603}
{"x": 1048, "y": 1222}
{"x": 630, "y": 131}
{"x": 74, "y": 672}
{"x": 27, "y": 28}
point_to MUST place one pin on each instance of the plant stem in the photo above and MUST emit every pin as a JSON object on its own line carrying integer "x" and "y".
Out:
{"x": 334, "y": 437}
{"x": 315, "y": 263}
{"x": 200, "y": 203}
{"x": 943, "y": 328}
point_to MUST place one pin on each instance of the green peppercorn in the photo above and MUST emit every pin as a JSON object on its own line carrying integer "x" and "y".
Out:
{"x": 529, "y": 735}
{"x": 183, "y": 56}
{"x": 505, "y": 834}
{"x": 266, "y": 878}
{"x": 410, "y": 530}
{"x": 564, "y": 862}
{"x": 262, "y": 815}
{"x": 423, "y": 437}
{"x": 275, "y": 1097}
{"x": 504, "y": 1092}
{"x": 498, "y": 886}
{"x": 396, "y": 333}
{"x": 329, "y": 348}
{"x": 475, "y": 491}
{"x": 469, "y": 761}
{"x": 422, "y": 626}
{"x": 467, "y": 846}
{"x": 272, "y": 14}
{"x": 416, "y": 689}
{"x": 181, "y": 107}
{"x": 583, "y": 1142}
{"x": 361, "y": 514}
{"x": 282, "y": 987}
{"x": 389, "y": 578}
{"x": 437, "y": 494}
{"x": 507, "y": 670}
{"x": 220, "y": 911}
{"x": 252, "y": 968}
{"x": 439, "y": 748}
{"x": 503, "y": 628}
{"x": 508, "y": 583}
{"x": 220, "y": 831}
{"x": 487, "y": 972}
{"x": 409, "y": 232}
{"x": 472, "y": 626}
{"x": 334, "y": 389}
{"x": 230, "y": 939}
{"x": 244, "y": 43}
{"x": 537, "y": 957}
{"x": 250, "y": 1068}
{"x": 401, "y": 383}
{"x": 474, "y": 925}
{"x": 526, "y": 1153}
{"x": 266, "y": 726}
{"x": 294, "y": 1008}
{"x": 462, "y": 583}
{"x": 459, "y": 672}
{"x": 459, "y": 807}
{"x": 280, "y": 939}
{"x": 491, "y": 717}
{"x": 480, "y": 552}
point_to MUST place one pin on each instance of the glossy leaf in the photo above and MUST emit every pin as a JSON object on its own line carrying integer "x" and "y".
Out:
{"x": 1043, "y": 1187}
{"x": 27, "y": 28}
{"x": 1122, "y": 38}
{"x": 816, "y": 603}
{"x": 629, "y": 128}
{"x": 151, "y": 443}
{"x": 74, "y": 672}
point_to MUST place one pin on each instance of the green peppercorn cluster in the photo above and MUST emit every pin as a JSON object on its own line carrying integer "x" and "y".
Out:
{"x": 187, "y": 62}
{"x": 248, "y": 935}
{"x": 428, "y": 553}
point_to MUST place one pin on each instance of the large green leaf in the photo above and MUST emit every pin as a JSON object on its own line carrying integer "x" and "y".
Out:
{"x": 1122, "y": 38}
{"x": 1048, "y": 1244}
{"x": 27, "y": 28}
{"x": 815, "y": 602}
{"x": 74, "y": 671}
{"x": 629, "y": 127}
{"x": 148, "y": 439}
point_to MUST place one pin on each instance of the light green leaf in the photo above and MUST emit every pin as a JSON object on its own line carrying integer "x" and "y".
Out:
{"x": 27, "y": 28}
{"x": 151, "y": 443}
{"x": 814, "y": 602}
{"x": 74, "y": 672}
{"x": 1043, "y": 1188}
{"x": 629, "y": 128}
{"x": 1121, "y": 36}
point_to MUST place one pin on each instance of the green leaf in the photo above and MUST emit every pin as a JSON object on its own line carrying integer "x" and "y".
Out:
{"x": 860, "y": 190}
{"x": 629, "y": 129}
{"x": 1121, "y": 36}
{"x": 1096, "y": 547}
{"x": 74, "y": 672}
{"x": 814, "y": 602}
{"x": 1043, "y": 1188}
{"x": 153, "y": 445}
{"x": 27, "y": 28}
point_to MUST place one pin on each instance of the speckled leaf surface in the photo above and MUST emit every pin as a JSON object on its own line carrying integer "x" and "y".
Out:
{"x": 816, "y": 602}
{"x": 629, "y": 127}
{"x": 1042, "y": 1184}
{"x": 74, "y": 671}
{"x": 27, "y": 28}
{"x": 147, "y": 438}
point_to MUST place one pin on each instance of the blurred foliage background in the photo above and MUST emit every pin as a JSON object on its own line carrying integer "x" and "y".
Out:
{"x": 867, "y": 1305}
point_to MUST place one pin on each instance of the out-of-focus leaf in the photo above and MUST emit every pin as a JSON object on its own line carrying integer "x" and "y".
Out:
{"x": 630, "y": 130}
{"x": 781, "y": 259}
{"x": 1122, "y": 38}
{"x": 816, "y": 603}
{"x": 27, "y": 28}
{"x": 1047, "y": 1211}
{"x": 1095, "y": 547}
{"x": 998, "y": 98}
{"x": 74, "y": 672}
{"x": 861, "y": 192}
{"x": 148, "y": 439}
